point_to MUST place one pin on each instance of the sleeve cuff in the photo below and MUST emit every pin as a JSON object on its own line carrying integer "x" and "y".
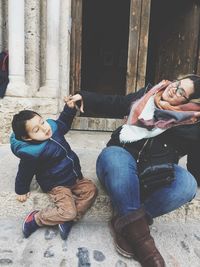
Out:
{"x": 71, "y": 111}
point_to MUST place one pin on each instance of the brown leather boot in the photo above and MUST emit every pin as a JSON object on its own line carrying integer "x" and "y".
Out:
{"x": 134, "y": 228}
{"x": 121, "y": 244}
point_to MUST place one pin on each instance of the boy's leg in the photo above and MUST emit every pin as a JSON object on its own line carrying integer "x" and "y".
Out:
{"x": 29, "y": 225}
{"x": 64, "y": 210}
{"x": 85, "y": 193}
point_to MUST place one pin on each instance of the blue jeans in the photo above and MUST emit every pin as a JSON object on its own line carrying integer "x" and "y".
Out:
{"x": 117, "y": 171}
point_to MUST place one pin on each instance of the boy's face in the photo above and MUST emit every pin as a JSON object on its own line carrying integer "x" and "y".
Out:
{"x": 38, "y": 129}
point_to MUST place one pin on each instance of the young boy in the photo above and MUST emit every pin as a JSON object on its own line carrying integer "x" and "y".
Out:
{"x": 43, "y": 151}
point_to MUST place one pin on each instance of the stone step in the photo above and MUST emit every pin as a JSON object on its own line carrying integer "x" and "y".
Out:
{"x": 91, "y": 244}
{"x": 87, "y": 145}
{"x": 101, "y": 209}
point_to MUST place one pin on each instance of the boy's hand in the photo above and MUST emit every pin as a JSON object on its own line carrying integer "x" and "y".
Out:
{"x": 23, "y": 198}
{"x": 71, "y": 101}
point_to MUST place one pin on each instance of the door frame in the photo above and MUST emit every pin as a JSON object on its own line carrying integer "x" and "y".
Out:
{"x": 137, "y": 49}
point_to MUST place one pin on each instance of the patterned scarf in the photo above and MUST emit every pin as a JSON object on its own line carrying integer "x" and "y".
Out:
{"x": 150, "y": 115}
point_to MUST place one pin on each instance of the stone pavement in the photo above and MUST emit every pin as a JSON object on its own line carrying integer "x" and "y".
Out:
{"x": 177, "y": 235}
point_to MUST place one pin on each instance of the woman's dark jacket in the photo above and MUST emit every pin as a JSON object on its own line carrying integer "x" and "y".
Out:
{"x": 52, "y": 161}
{"x": 174, "y": 143}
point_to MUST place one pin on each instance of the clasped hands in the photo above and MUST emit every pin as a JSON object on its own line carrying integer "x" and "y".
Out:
{"x": 71, "y": 101}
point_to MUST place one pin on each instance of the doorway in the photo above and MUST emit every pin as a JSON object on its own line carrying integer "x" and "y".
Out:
{"x": 108, "y": 52}
{"x": 174, "y": 39}
{"x": 105, "y": 34}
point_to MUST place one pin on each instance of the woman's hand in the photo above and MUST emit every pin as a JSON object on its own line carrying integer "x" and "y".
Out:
{"x": 71, "y": 101}
{"x": 23, "y": 198}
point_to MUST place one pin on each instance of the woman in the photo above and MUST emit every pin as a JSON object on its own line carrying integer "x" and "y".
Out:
{"x": 150, "y": 141}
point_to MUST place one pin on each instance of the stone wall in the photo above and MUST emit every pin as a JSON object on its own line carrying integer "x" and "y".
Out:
{"x": 38, "y": 94}
{"x": 3, "y": 25}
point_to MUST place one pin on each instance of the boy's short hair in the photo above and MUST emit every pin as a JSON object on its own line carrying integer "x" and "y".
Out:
{"x": 19, "y": 122}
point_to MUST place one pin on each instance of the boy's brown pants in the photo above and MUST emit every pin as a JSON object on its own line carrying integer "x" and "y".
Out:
{"x": 70, "y": 203}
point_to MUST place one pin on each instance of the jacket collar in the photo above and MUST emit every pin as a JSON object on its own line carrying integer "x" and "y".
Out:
{"x": 33, "y": 149}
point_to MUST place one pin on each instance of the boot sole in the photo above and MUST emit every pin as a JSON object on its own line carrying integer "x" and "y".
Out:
{"x": 119, "y": 249}
{"x": 123, "y": 252}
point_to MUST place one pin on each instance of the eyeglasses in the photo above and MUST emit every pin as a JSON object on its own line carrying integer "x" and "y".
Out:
{"x": 179, "y": 90}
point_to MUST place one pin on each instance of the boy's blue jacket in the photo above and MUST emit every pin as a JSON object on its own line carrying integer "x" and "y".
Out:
{"x": 52, "y": 161}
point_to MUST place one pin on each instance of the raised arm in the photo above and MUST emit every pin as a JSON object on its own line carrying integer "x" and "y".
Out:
{"x": 115, "y": 106}
{"x": 65, "y": 119}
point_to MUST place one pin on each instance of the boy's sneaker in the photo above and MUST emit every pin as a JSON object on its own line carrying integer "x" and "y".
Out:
{"x": 64, "y": 229}
{"x": 29, "y": 224}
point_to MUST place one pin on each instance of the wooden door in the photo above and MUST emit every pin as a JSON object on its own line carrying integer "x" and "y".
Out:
{"x": 114, "y": 61}
{"x": 174, "y": 39}
{"x": 75, "y": 46}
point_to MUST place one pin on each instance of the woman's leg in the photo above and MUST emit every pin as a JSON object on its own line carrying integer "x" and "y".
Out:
{"x": 173, "y": 196}
{"x": 117, "y": 171}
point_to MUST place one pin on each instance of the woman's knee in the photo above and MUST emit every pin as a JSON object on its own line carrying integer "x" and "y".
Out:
{"x": 192, "y": 187}
{"x": 116, "y": 169}
{"x": 114, "y": 158}
{"x": 186, "y": 182}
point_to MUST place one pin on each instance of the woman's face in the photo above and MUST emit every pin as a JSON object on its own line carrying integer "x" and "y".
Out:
{"x": 178, "y": 92}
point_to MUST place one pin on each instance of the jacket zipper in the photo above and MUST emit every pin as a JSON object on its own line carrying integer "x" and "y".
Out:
{"x": 141, "y": 150}
{"x": 66, "y": 154}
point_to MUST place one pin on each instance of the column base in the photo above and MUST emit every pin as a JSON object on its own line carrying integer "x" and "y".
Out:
{"x": 48, "y": 92}
{"x": 17, "y": 88}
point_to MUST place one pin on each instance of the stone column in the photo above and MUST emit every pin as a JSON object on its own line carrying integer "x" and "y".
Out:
{"x": 65, "y": 32}
{"x": 51, "y": 86}
{"x": 1, "y": 26}
{"x": 16, "y": 86}
{"x": 32, "y": 45}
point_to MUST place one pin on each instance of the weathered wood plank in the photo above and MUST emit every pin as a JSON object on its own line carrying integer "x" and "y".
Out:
{"x": 96, "y": 124}
{"x": 198, "y": 48}
{"x": 143, "y": 47}
{"x": 178, "y": 41}
{"x": 133, "y": 47}
{"x": 75, "y": 48}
